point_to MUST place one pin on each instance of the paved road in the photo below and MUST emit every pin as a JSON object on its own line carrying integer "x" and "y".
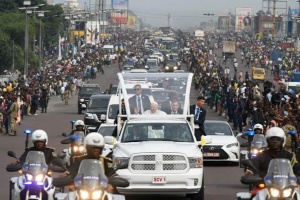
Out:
{"x": 221, "y": 182}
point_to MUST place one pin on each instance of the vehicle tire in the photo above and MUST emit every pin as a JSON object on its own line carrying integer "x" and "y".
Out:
{"x": 199, "y": 195}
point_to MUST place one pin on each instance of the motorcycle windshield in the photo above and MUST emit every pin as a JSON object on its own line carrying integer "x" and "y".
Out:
{"x": 258, "y": 141}
{"x": 79, "y": 137}
{"x": 280, "y": 174}
{"x": 35, "y": 163}
{"x": 91, "y": 175}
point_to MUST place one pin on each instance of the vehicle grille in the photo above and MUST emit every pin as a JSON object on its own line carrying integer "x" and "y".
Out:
{"x": 158, "y": 163}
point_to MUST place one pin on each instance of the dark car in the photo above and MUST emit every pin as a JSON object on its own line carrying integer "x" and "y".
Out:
{"x": 171, "y": 65}
{"x": 96, "y": 111}
{"x": 85, "y": 92}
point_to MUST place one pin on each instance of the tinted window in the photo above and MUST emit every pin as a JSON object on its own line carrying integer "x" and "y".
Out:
{"x": 89, "y": 90}
{"x": 106, "y": 130}
{"x": 98, "y": 102}
{"x": 217, "y": 129}
{"x": 112, "y": 111}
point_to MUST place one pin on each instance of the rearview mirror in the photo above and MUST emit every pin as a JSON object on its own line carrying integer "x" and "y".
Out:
{"x": 110, "y": 140}
{"x": 12, "y": 154}
{"x": 64, "y": 134}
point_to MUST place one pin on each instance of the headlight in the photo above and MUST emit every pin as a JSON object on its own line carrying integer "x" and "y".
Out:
{"x": 89, "y": 116}
{"x": 175, "y": 67}
{"x": 39, "y": 178}
{"x": 167, "y": 67}
{"x": 97, "y": 194}
{"x": 81, "y": 100}
{"x": 287, "y": 192}
{"x": 232, "y": 145}
{"x": 84, "y": 194}
{"x": 274, "y": 192}
{"x": 195, "y": 162}
{"x": 254, "y": 151}
{"x": 29, "y": 177}
{"x": 118, "y": 161}
{"x": 78, "y": 148}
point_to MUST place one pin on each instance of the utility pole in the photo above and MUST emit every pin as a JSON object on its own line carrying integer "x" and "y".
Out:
{"x": 269, "y": 6}
{"x": 13, "y": 56}
{"x": 169, "y": 19}
{"x": 274, "y": 20}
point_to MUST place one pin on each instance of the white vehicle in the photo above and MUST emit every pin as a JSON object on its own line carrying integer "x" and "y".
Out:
{"x": 107, "y": 130}
{"x": 162, "y": 153}
{"x": 222, "y": 144}
{"x": 159, "y": 56}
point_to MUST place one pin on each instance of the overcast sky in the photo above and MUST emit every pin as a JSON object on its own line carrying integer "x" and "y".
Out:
{"x": 187, "y": 13}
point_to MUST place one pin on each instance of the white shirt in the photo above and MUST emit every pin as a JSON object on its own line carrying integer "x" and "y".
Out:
{"x": 158, "y": 112}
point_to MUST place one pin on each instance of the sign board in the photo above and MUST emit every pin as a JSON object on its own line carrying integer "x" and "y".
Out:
{"x": 243, "y": 20}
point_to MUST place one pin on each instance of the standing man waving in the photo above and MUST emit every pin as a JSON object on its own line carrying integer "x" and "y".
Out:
{"x": 199, "y": 117}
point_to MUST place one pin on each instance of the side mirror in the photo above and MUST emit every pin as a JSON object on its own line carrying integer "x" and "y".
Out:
{"x": 251, "y": 179}
{"x": 13, "y": 168}
{"x": 118, "y": 182}
{"x": 110, "y": 140}
{"x": 12, "y": 154}
{"x": 83, "y": 106}
{"x": 66, "y": 141}
{"x": 64, "y": 134}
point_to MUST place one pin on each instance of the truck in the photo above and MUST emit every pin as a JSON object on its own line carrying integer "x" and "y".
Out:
{"x": 229, "y": 47}
{"x": 199, "y": 34}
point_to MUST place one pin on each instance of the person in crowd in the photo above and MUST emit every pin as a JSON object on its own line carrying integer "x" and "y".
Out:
{"x": 13, "y": 114}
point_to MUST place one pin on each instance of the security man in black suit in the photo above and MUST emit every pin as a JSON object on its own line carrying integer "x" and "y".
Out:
{"x": 200, "y": 114}
{"x": 175, "y": 108}
{"x": 139, "y": 102}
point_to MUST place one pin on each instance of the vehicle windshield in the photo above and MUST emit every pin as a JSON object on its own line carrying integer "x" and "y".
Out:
{"x": 221, "y": 129}
{"x": 295, "y": 88}
{"x": 151, "y": 63}
{"x": 79, "y": 137}
{"x": 280, "y": 174}
{"x": 259, "y": 141}
{"x": 259, "y": 71}
{"x": 90, "y": 175}
{"x": 112, "y": 111}
{"x": 98, "y": 103}
{"x": 90, "y": 90}
{"x": 106, "y": 130}
{"x": 35, "y": 163}
{"x": 136, "y": 132}
{"x": 171, "y": 62}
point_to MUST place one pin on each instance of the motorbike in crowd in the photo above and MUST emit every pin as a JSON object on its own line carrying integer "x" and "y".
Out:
{"x": 76, "y": 146}
{"x": 257, "y": 145}
{"x": 279, "y": 183}
{"x": 35, "y": 183}
{"x": 91, "y": 183}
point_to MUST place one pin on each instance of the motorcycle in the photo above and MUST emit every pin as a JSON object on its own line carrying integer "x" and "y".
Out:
{"x": 35, "y": 183}
{"x": 90, "y": 183}
{"x": 76, "y": 146}
{"x": 279, "y": 183}
{"x": 257, "y": 145}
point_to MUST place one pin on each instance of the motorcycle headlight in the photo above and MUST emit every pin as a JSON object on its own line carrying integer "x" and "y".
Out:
{"x": 29, "y": 177}
{"x": 195, "y": 162}
{"x": 84, "y": 194}
{"x": 232, "y": 145}
{"x": 97, "y": 194}
{"x": 81, "y": 100}
{"x": 175, "y": 67}
{"x": 81, "y": 149}
{"x": 274, "y": 192}
{"x": 287, "y": 192}
{"x": 75, "y": 148}
{"x": 39, "y": 178}
{"x": 167, "y": 67}
{"x": 254, "y": 151}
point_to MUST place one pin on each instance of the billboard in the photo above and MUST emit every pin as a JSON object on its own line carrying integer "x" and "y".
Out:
{"x": 118, "y": 17}
{"x": 243, "y": 20}
{"x": 119, "y": 4}
{"x": 131, "y": 22}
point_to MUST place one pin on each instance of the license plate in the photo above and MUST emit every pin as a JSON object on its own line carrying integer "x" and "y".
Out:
{"x": 159, "y": 180}
{"x": 211, "y": 154}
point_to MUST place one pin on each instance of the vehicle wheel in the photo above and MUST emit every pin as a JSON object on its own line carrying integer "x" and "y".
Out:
{"x": 199, "y": 195}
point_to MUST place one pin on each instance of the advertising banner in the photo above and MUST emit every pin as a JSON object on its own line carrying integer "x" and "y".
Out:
{"x": 131, "y": 21}
{"x": 118, "y": 17}
{"x": 119, "y": 4}
{"x": 92, "y": 32}
{"x": 243, "y": 20}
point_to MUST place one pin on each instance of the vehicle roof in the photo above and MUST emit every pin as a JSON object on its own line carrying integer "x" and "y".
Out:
{"x": 101, "y": 96}
{"x": 90, "y": 85}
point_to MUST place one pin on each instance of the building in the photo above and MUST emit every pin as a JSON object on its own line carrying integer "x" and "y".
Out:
{"x": 223, "y": 23}
{"x": 71, "y": 6}
{"x": 263, "y": 25}
{"x": 50, "y": 2}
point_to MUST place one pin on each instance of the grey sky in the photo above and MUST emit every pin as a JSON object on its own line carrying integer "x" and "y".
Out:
{"x": 187, "y": 13}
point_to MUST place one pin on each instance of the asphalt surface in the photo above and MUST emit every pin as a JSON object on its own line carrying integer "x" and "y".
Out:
{"x": 221, "y": 179}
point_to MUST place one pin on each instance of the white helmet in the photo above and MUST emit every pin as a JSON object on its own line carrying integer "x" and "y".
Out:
{"x": 79, "y": 123}
{"x": 39, "y": 135}
{"x": 276, "y": 132}
{"x": 94, "y": 139}
{"x": 258, "y": 126}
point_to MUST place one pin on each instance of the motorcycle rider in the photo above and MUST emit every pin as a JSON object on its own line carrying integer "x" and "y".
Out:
{"x": 258, "y": 129}
{"x": 276, "y": 139}
{"x": 94, "y": 144}
{"x": 39, "y": 139}
{"x": 80, "y": 126}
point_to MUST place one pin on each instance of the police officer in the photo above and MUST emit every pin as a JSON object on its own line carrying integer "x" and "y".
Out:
{"x": 258, "y": 129}
{"x": 79, "y": 126}
{"x": 94, "y": 144}
{"x": 39, "y": 139}
{"x": 276, "y": 139}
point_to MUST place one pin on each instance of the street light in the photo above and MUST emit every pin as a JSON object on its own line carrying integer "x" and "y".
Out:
{"x": 28, "y": 10}
{"x": 40, "y": 14}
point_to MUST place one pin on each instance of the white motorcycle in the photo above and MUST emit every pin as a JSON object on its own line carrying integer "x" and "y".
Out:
{"x": 35, "y": 182}
{"x": 76, "y": 146}
{"x": 90, "y": 183}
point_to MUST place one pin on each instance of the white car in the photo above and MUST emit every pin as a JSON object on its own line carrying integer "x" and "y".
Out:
{"x": 107, "y": 130}
{"x": 221, "y": 143}
{"x": 160, "y": 161}
{"x": 158, "y": 55}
